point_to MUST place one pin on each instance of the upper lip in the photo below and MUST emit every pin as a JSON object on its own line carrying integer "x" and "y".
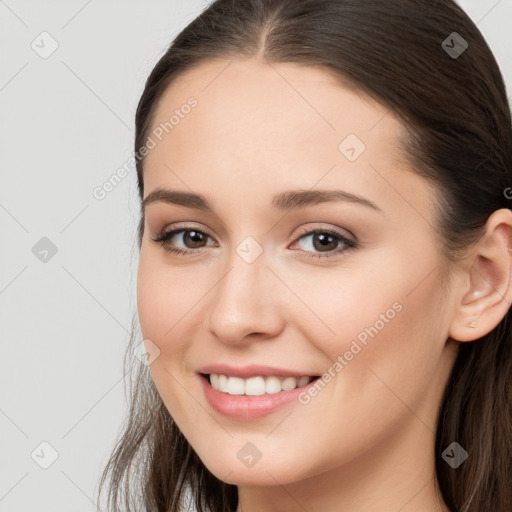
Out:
{"x": 253, "y": 370}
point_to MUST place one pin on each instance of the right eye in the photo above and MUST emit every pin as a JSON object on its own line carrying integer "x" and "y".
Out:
{"x": 189, "y": 235}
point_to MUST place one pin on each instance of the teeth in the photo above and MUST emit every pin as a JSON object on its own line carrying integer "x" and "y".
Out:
{"x": 256, "y": 385}
{"x": 303, "y": 381}
{"x": 272, "y": 385}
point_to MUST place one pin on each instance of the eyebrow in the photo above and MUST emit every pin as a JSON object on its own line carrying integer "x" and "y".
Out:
{"x": 282, "y": 202}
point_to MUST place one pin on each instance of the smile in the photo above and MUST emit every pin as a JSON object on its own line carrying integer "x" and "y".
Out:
{"x": 253, "y": 397}
{"x": 256, "y": 386}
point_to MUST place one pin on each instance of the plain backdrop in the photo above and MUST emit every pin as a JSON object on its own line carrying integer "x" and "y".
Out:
{"x": 71, "y": 74}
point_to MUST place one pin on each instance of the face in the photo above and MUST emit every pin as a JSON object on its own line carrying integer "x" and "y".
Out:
{"x": 345, "y": 285}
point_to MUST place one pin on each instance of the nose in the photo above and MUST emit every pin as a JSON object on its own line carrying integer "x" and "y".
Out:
{"x": 246, "y": 303}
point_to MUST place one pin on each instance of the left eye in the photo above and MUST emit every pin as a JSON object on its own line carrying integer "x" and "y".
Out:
{"x": 325, "y": 241}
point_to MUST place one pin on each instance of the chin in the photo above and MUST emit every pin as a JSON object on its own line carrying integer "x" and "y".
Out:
{"x": 269, "y": 472}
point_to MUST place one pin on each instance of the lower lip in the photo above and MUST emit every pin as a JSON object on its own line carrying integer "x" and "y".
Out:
{"x": 247, "y": 407}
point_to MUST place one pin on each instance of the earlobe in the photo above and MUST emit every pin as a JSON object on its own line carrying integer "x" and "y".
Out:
{"x": 486, "y": 289}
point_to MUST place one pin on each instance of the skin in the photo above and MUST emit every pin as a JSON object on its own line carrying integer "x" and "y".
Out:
{"x": 366, "y": 441}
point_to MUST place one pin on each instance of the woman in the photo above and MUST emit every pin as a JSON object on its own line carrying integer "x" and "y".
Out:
{"x": 324, "y": 279}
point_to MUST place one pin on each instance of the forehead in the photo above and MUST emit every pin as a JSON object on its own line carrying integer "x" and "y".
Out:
{"x": 258, "y": 125}
{"x": 271, "y": 99}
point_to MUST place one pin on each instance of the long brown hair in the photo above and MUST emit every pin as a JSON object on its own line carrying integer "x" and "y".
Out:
{"x": 455, "y": 108}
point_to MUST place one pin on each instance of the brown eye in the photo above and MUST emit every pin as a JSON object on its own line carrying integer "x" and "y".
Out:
{"x": 324, "y": 241}
{"x": 192, "y": 238}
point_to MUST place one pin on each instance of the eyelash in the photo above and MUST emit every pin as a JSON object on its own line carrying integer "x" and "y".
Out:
{"x": 163, "y": 237}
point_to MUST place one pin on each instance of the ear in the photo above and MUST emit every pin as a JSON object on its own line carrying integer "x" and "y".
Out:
{"x": 485, "y": 291}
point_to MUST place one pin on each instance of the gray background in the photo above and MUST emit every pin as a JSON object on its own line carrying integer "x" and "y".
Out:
{"x": 66, "y": 126}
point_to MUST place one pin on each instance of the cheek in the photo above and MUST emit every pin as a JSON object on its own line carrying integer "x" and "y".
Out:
{"x": 165, "y": 296}
{"x": 165, "y": 300}
{"x": 348, "y": 303}
{"x": 381, "y": 322}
